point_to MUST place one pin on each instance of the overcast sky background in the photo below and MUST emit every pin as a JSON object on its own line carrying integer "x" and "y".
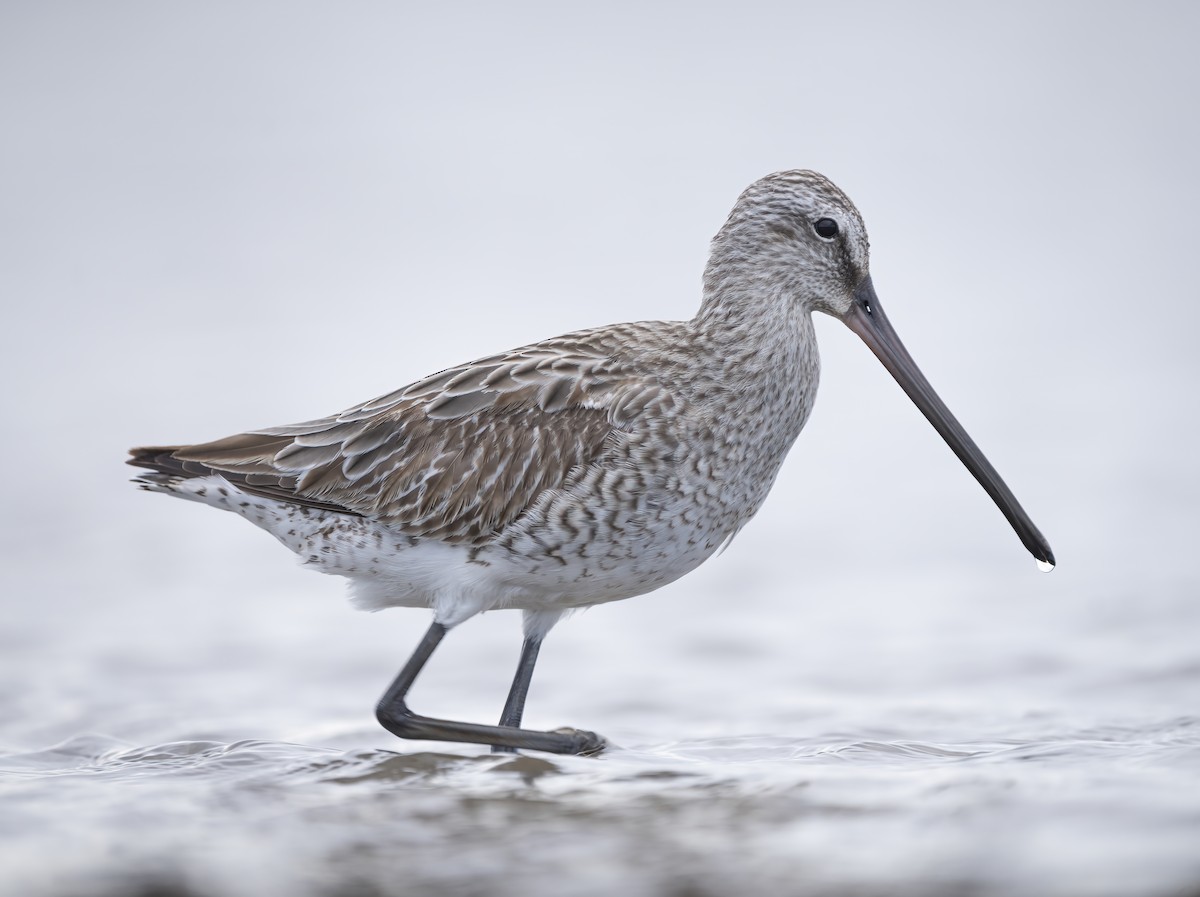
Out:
{"x": 215, "y": 217}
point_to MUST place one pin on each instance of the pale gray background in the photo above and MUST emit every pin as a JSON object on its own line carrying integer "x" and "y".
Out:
{"x": 221, "y": 216}
{"x": 216, "y": 218}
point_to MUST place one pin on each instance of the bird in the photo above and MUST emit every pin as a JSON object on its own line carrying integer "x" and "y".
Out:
{"x": 587, "y": 468}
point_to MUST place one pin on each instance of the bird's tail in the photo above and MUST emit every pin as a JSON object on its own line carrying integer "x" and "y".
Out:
{"x": 169, "y": 474}
{"x": 161, "y": 459}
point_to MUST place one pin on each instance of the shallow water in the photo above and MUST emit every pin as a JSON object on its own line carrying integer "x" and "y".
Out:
{"x": 1049, "y": 750}
{"x": 1071, "y": 812}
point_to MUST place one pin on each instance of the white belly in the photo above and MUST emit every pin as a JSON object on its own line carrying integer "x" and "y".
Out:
{"x": 390, "y": 569}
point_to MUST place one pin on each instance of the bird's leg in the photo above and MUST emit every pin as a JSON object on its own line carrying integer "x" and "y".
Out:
{"x": 393, "y": 713}
{"x": 514, "y": 707}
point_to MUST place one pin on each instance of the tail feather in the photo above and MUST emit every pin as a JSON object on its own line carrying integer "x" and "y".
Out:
{"x": 161, "y": 459}
{"x": 170, "y": 471}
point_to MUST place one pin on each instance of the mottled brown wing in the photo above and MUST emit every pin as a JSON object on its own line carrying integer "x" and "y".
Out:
{"x": 456, "y": 456}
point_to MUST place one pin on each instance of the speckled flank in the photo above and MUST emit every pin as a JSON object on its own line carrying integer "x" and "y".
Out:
{"x": 591, "y": 467}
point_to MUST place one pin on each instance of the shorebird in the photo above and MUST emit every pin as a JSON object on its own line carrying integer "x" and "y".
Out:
{"x": 586, "y": 468}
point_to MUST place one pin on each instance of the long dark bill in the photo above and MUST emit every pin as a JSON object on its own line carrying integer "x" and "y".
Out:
{"x": 866, "y": 318}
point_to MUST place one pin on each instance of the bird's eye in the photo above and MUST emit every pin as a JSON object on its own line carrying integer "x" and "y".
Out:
{"x": 826, "y": 228}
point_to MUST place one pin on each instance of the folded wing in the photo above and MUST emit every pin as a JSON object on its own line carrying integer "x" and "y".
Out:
{"x": 456, "y": 456}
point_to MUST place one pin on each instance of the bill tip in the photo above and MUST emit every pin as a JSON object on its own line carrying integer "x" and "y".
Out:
{"x": 1045, "y": 566}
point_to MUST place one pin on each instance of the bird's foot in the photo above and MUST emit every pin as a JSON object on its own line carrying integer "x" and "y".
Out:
{"x": 586, "y": 744}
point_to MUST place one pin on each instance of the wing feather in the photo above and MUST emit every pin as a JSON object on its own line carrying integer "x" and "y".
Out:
{"x": 456, "y": 456}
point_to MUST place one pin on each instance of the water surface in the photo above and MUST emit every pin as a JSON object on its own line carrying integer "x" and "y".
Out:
{"x": 834, "y": 756}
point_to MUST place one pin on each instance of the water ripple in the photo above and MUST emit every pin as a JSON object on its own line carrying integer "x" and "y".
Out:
{"x": 855, "y": 809}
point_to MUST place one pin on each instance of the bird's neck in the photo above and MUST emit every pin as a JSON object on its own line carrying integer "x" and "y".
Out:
{"x": 759, "y": 381}
{"x": 752, "y": 313}
{"x": 761, "y": 342}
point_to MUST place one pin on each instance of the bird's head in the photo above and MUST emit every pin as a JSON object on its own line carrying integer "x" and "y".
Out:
{"x": 797, "y": 235}
{"x": 795, "y": 242}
